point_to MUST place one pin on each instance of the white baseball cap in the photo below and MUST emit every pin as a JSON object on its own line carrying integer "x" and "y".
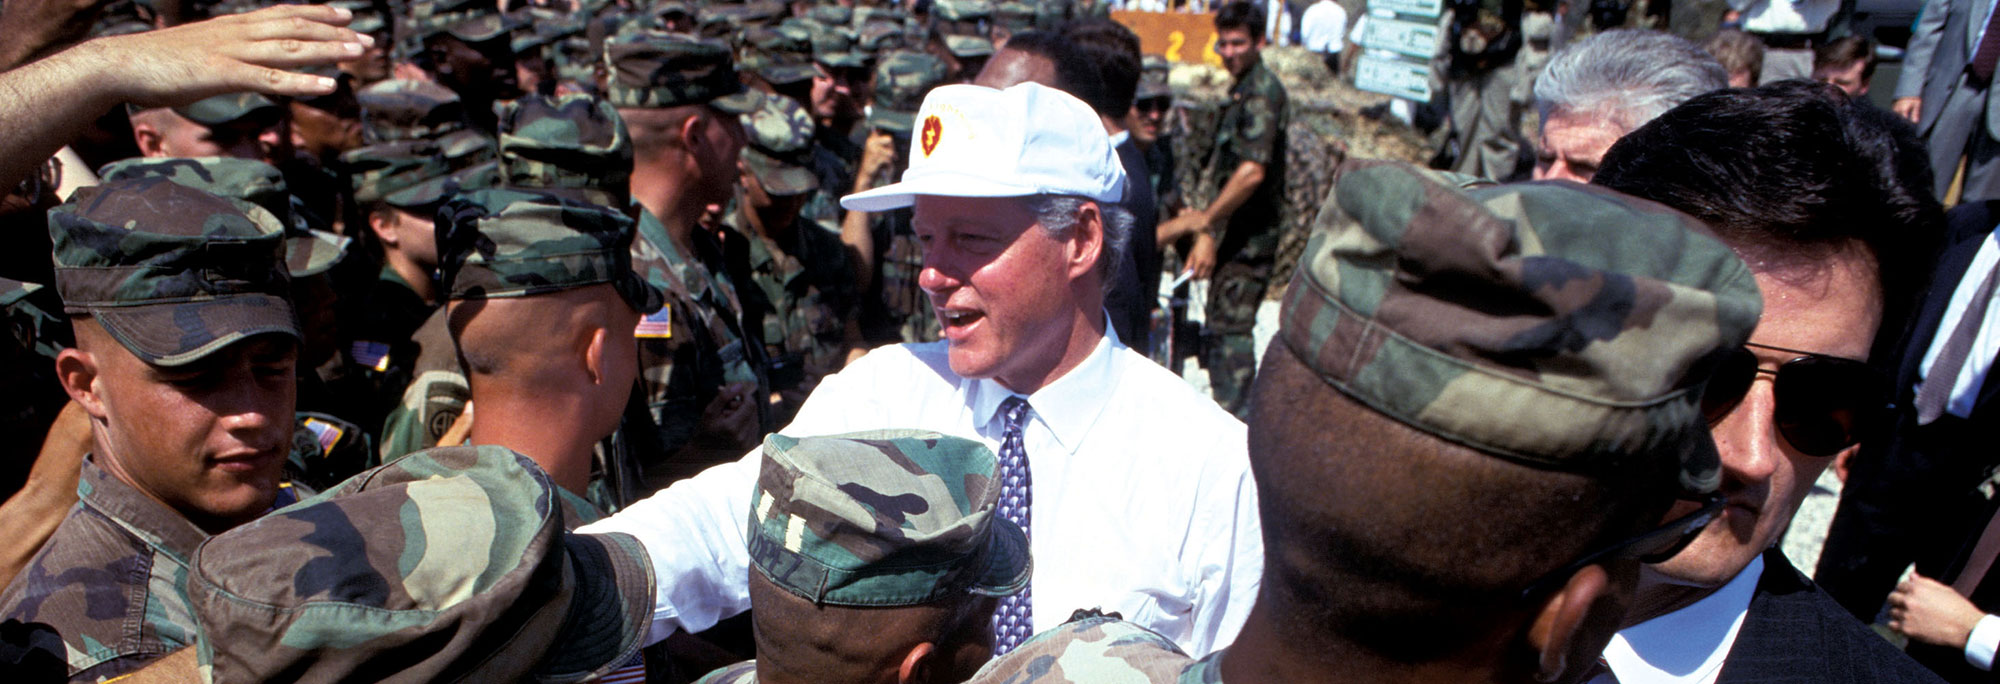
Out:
{"x": 974, "y": 141}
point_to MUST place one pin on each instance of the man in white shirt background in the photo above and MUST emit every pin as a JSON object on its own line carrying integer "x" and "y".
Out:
{"x": 1825, "y": 234}
{"x": 1323, "y": 30}
{"x": 1135, "y": 491}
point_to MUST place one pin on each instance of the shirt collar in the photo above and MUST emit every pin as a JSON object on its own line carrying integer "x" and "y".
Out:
{"x": 1686, "y": 646}
{"x": 1120, "y": 137}
{"x": 1070, "y": 404}
{"x": 161, "y": 527}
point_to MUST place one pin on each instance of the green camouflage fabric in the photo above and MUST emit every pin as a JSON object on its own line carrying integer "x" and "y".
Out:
{"x": 459, "y": 560}
{"x": 435, "y": 396}
{"x": 472, "y": 21}
{"x": 426, "y": 195}
{"x": 902, "y": 79}
{"x": 399, "y": 109}
{"x": 741, "y": 673}
{"x": 575, "y": 143}
{"x": 173, "y": 273}
{"x": 1252, "y": 129}
{"x": 1208, "y": 670}
{"x": 961, "y": 10}
{"x": 326, "y": 450}
{"x": 799, "y": 301}
{"x": 655, "y": 70}
{"x": 111, "y": 579}
{"x": 31, "y": 329}
{"x": 884, "y": 14}
{"x": 719, "y": 22}
{"x": 968, "y": 46}
{"x": 832, "y": 15}
{"x": 835, "y": 47}
{"x": 1153, "y": 78}
{"x": 781, "y": 56}
{"x": 1562, "y": 326}
{"x": 1015, "y": 17}
{"x": 883, "y": 519}
{"x": 417, "y": 173}
{"x": 1052, "y": 14}
{"x": 368, "y": 16}
{"x": 223, "y": 109}
{"x": 690, "y": 348}
{"x": 1090, "y": 648}
{"x": 898, "y": 310}
{"x": 308, "y": 251}
{"x": 881, "y": 37}
{"x": 502, "y": 243}
{"x": 780, "y": 147}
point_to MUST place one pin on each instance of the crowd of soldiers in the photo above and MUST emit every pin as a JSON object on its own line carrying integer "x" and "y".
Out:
{"x": 427, "y": 340}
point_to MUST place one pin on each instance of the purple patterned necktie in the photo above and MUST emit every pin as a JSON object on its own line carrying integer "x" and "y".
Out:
{"x": 1014, "y": 622}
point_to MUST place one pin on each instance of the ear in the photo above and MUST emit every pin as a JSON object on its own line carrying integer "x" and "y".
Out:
{"x": 148, "y": 137}
{"x": 594, "y": 343}
{"x": 382, "y": 220}
{"x": 77, "y": 370}
{"x": 692, "y": 128}
{"x": 1563, "y": 620}
{"x": 1086, "y": 240}
{"x": 916, "y": 668}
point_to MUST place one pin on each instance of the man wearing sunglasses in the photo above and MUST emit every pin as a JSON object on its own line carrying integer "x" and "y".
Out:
{"x": 1479, "y": 408}
{"x": 1826, "y": 233}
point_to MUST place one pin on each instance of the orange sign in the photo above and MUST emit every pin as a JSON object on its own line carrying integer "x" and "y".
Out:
{"x": 1179, "y": 36}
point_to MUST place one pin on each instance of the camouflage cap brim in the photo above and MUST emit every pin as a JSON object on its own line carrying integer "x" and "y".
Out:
{"x": 786, "y": 74}
{"x": 430, "y": 193}
{"x": 170, "y": 335}
{"x": 847, "y": 59}
{"x": 612, "y": 607}
{"x": 518, "y": 242}
{"x": 223, "y": 109}
{"x": 487, "y": 26}
{"x": 739, "y": 103}
{"x": 780, "y": 179}
{"x": 1557, "y": 325}
{"x": 1149, "y": 89}
{"x": 969, "y": 46}
{"x": 313, "y": 252}
{"x": 899, "y": 123}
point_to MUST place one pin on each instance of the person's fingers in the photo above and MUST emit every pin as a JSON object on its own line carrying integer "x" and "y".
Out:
{"x": 292, "y": 52}
{"x": 290, "y": 84}
{"x": 276, "y": 17}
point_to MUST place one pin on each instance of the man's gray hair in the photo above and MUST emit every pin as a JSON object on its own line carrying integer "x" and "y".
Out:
{"x": 1057, "y": 214}
{"x": 1627, "y": 76}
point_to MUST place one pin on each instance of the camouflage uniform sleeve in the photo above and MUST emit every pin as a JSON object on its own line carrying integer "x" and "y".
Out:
{"x": 430, "y": 405}
{"x": 1089, "y": 649}
{"x": 1263, "y": 117}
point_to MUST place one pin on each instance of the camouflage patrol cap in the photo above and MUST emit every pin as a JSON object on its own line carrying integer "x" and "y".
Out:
{"x": 422, "y": 196}
{"x": 450, "y": 564}
{"x": 719, "y": 21}
{"x": 780, "y": 147}
{"x": 401, "y": 109}
{"x": 834, "y": 47}
{"x": 902, "y": 79}
{"x": 504, "y": 242}
{"x": 1559, "y": 325}
{"x": 832, "y": 15}
{"x": 378, "y": 171}
{"x": 783, "y": 54}
{"x": 308, "y": 250}
{"x": 883, "y": 518}
{"x": 570, "y": 142}
{"x": 879, "y": 37}
{"x": 657, "y": 70}
{"x": 222, "y": 109}
{"x": 1015, "y": 16}
{"x": 173, "y": 273}
{"x": 1153, "y": 79}
{"x": 969, "y": 46}
{"x": 1088, "y": 649}
{"x": 961, "y": 10}
{"x": 472, "y": 21}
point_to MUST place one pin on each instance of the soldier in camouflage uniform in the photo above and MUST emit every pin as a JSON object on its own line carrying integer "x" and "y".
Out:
{"x": 960, "y": 37}
{"x": 185, "y": 346}
{"x": 1518, "y": 371}
{"x": 243, "y": 125}
{"x": 704, "y": 383}
{"x": 871, "y": 545}
{"x": 470, "y": 576}
{"x": 779, "y": 61}
{"x": 894, "y": 309}
{"x": 1236, "y": 234}
{"x": 798, "y": 300}
{"x": 515, "y": 261}
{"x": 466, "y": 45}
{"x": 371, "y": 17}
{"x": 420, "y": 148}
{"x": 842, "y": 70}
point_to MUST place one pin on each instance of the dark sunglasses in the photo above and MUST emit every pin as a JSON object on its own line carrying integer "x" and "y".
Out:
{"x": 1654, "y": 546}
{"x": 1154, "y": 104}
{"x": 1823, "y": 402}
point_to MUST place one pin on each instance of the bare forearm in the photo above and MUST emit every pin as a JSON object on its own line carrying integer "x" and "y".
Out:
{"x": 46, "y": 104}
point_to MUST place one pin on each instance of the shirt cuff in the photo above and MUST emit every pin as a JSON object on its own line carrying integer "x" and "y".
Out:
{"x": 1984, "y": 640}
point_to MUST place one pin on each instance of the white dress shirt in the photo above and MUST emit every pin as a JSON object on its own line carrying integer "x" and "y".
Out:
{"x": 1785, "y": 16}
{"x": 1686, "y": 646}
{"x": 1142, "y": 498}
{"x": 1978, "y": 360}
{"x": 1323, "y": 26}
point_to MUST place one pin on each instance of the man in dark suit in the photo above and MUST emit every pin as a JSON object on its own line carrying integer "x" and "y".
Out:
{"x": 1824, "y": 236}
{"x": 1945, "y": 89}
{"x": 1920, "y": 494}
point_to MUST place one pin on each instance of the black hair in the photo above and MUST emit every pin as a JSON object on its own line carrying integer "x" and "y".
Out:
{"x": 1788, "y": 174}
{"x": 1113, "y": 52}
{"x": 1240, "y": 15}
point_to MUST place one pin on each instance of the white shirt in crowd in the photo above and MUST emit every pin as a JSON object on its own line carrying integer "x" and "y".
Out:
{"x": 1323, "y": 27}
{"x": 1985, "y": 637}
{"x": 1785, "y": 16}
{"x": 1686, "y": 646}
{"x": 1143, "y": 502}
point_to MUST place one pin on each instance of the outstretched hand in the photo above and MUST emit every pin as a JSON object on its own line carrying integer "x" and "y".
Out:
{"x": 250, "y": 51}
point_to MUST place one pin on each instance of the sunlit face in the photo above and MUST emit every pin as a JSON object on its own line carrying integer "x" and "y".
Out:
{"x": 999, "y": 284}
{"x": 1573, "y": 144}
{"x": 837, "y": 91}
{"x": 1238, "y": 49}
{"x": 1148, "y": 118}
{"x": 1832, "y": 314}
{"x": 208, "y": 440}
{"x": 261, "y": 137}
{"x": 1847, "y": 78}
